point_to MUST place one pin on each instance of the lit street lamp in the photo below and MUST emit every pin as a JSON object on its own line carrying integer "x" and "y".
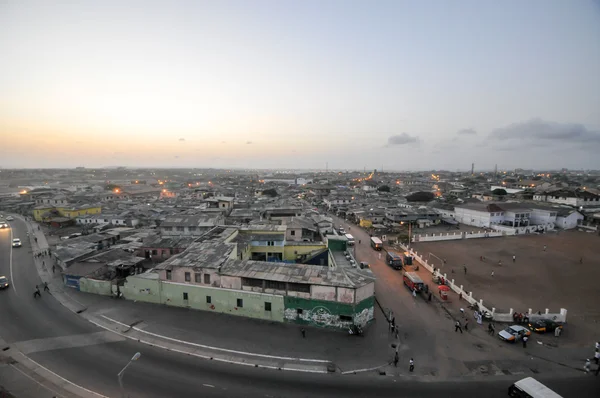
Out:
{"x": 122, "y": 372}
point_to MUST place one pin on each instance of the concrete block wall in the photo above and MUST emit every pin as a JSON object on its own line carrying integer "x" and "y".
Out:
{"x": 434, "y": 237}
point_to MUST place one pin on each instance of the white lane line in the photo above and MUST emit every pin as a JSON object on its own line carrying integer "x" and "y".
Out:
{"x": 218, "y": 348}
{"x": 205, "y": 356}
{"x": 208, "y": 385}
{"x": 65, "y": 380}
{"x": 10, "y": 262}
{"x": 31, "y": 378}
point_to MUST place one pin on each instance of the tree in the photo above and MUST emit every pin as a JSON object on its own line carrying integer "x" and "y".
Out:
{"x": 272, "y": 192}
{"x": 384, "y": 188}
{"x": 499, "y": 192}
{"x": 420, "y": 197}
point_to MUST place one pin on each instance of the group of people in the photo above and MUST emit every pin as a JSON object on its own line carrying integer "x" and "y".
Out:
{"x": 520, "y": 317}
{"x": 588, "y": 366}
{"x": 37, "y": 292}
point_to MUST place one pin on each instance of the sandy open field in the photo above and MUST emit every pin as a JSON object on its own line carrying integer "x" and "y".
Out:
{"x": 538, "y": 279}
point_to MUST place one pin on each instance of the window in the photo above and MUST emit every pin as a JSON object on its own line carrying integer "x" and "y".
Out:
{"x": 168, "y": 228}
{"x": 154, "y": 252}
{"x": 252, "y": 282}
{"x": 188, "y": 277}
{"x": 181, "y": 229}
{"x": 293, "y": 233}
{"x": 299, "y": 311}
{"x": 240, "y": 303}
{"x": 169, "y": 275}
{"x": 185, "y": 296}
{"x": 192, "y": 228}
{"x": 299, "y": 287}
{"x": 207, "y": 278}
{"x": 208, "y": 300}
{"x": 198, "y": 278}
{"x": 275, "y": 285}
{"x": 267, "y": 306}
{"x": 345, "y": 318}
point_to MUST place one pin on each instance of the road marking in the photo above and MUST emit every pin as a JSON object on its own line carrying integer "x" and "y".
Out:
{"x": 60, "y": 377}
{"x": 205, "y": 356}
{"x": 218, "y": 348}
{"x": 36, "y": 381}
{"x": 71, "y": 341}
{"x": 208, "y": 385}
{"x": 12, "y": 279}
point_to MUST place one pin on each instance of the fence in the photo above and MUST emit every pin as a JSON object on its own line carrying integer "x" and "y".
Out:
{"x": 468, "y": 296}
{"x": 456, "y": 236}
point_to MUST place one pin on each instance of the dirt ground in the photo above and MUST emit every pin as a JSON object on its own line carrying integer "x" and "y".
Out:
{"x": 538, "y": 279}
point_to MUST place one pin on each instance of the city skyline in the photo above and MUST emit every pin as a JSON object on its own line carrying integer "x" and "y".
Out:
{"x": 282, "y": 85}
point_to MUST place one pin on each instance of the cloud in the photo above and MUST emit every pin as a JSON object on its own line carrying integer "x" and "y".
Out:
{"x": 248, "y": 142}
{"x": 181, "y": 139}
{"x": 541, "y": 130}
{"x": 402, "y": 139}
{"x": 466, "y": 132}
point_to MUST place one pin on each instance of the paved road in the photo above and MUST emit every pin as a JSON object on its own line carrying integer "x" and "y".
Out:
{"x": 77, "y": 350}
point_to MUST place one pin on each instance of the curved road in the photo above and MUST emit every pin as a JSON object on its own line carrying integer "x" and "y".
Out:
{"x": 39, "y": 326}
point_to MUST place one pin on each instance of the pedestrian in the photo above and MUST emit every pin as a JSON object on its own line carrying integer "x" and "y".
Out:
{"x": 35, "y": 239}
{"x": 514, "y": 258}
{"x": 430, "y": 295}
{"x": 525, "y": 338}
{"x": 587, "y": 366}
{"x": 397, "y": 329}
{"x": 597, "y": 345}
{"x": 465, "y": 268}
{"x": 467, "y": 325}
{"x": 581, "y": 260}
{"x": 597, "y": 357}
{"x": 480, "y": 258}
{"x": 396, "y": 359}
{"x": 392, "y": 324}
{"x": 544, "y": 247}
{"x": 500, "y": 262}
{"x": 491, "y": 328}
{"x": 457, "y": 327}
{"x": 43, "y": 263}
{"x": 359, "y": 241}
{"x": 411, "y": 365}
{"x": 492, "y": 274}
{"x": 53, "y": 268}
{"x": 414, "y": 293}
{"x": 303, "y": 331}
{"x": 46, "y": 288}
{"x": 460, "y": 296}
{"x": 37, "y": 292}
{"x": 557, "y": 332}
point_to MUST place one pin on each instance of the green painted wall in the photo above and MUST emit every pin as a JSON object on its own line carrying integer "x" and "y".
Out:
{"x": 142, "y": 288}
{"x": 327, "y": 313}
{"x": 223, "y": 300}
{"x": 95, "y": 286}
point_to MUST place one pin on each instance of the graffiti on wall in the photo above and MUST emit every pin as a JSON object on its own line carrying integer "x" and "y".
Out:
{"x": 364, "y": 317}
{"x": 318, "y": 316}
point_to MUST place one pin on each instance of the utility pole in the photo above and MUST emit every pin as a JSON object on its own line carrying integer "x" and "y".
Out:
{"x": 472, "y": 169}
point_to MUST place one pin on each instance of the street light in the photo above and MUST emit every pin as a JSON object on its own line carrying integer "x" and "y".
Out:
{"x": 122, "y": 372}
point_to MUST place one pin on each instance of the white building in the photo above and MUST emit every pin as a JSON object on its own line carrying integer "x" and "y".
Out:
{"x": 568, "y": 218}
{"x": 571, "y": 198}
{"x": 480, "y": 215}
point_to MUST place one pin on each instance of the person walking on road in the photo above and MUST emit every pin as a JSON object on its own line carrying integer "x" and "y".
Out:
{"x": 396, "y": 359}
{"x": 397, "y": 332}
{"x": 525, "y": 338}
{"x": 37, "y": 292}
{"x": 544, "y": 247}
{"x": 35, "y": 239}
{"x": 43, "y": 263}
{"x": 46, "y": 288}
{"x": 53, "y": 268}
{"x": 457, "y": 327}
{"x": 492, "y": 274}
{"x": 597, "y": 357}
{"x": 359, "y": 241}
{"x": 587, "y": 366}
{"x": 514, "y": 258}
{"x": 491, "y": 328}
{"x": 303, "y": 331}
{"x": 465, "y": 268}
{"x": 466, "y": 325}
{"x": 411, "y": 365}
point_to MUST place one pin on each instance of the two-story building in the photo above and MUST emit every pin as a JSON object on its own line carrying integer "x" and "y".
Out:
{"x": 185, "y": 225}
{"x": 575, "y": 198}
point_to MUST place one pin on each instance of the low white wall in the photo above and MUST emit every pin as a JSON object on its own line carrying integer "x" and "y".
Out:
{"x": 483, "y": 235}
{"x": 468, "y": 296}
{"x": 434, "y": 237}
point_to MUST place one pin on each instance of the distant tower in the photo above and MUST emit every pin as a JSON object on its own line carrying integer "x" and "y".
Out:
{"x": 472, "y": 168}
{"x": 496, "y": 171}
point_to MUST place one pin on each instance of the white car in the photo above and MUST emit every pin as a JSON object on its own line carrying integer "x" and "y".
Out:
{"x": 10, "y": 218}
{"x": 514, "y": 333}
{"x": 16, "y": 242}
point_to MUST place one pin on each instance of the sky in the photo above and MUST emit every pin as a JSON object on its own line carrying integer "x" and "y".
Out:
{"x": 398, "y": 85}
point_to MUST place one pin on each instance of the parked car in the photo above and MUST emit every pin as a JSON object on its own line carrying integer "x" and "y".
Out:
{"x": 544, "y": 325}
{"x": 514, "y": 333}
{"x": 3, "y": 282}
{"x": 9, "y": 218}
{"x": 16, "y": 242}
